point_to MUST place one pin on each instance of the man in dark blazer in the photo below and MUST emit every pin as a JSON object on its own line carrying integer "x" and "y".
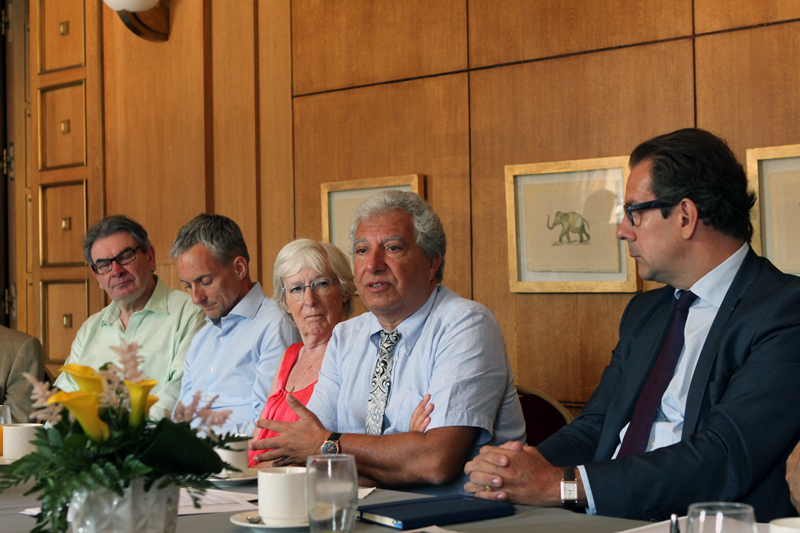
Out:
{"x": 727, "y": 420}
{"x": 19, "y": 353}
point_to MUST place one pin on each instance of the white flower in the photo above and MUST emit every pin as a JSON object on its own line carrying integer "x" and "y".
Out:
{"x": 40, "y": 394}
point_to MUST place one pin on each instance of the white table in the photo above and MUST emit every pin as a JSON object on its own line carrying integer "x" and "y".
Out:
{"x": 526, "y": 519}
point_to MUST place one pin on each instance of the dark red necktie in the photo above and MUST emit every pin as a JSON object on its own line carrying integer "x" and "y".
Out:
{"x": 635, "y": 441}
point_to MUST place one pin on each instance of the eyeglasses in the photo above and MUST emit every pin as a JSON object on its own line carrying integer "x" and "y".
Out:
{"x": 652, "y": 204}
{"x": 320, "y": 286}
{"x": 125, "y": 257}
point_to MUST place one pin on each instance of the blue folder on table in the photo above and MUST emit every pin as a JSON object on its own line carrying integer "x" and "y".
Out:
{"x": 438, "y": 511}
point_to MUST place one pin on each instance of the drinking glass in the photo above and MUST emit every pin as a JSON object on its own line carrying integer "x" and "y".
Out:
{"x": 721, "y": 517}
{"x": 331, "y": 493}
{"x": 5, "y": 418}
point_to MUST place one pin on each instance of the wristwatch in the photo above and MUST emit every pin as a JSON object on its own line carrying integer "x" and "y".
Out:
{"x": 331, "y": 445}
{"x": 569, "y": 488}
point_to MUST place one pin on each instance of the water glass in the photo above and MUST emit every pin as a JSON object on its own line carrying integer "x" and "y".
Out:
{"x": 5, "y": 418}
{"x": 721, "y": 517}
{"x": 331, "y": 493}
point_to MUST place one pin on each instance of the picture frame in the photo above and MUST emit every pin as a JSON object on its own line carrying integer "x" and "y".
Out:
{"x": 340, "y": 199}
{"x": 585, "y": 198}
{"x": 774, "y": 174}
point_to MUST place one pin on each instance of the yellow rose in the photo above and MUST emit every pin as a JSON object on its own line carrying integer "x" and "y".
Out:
{"x": 83, "y": 406}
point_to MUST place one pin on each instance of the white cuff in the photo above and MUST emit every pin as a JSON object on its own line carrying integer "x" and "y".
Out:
{"x": 587, "y": 488}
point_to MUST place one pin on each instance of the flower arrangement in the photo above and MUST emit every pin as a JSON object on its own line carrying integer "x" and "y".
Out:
{"x": 100, "y": 436}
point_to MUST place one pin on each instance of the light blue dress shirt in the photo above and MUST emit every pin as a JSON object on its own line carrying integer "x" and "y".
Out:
{"x": 451, "y": 348}
{"x": 668, "y": 426}
{"x": 236, "y": 356}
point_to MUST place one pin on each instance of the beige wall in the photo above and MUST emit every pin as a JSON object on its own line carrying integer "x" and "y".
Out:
{"x": 251, "y": 105}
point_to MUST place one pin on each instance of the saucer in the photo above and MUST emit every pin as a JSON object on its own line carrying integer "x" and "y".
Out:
{"x": 241, "y": 520}
{"x": 237, "y": 478}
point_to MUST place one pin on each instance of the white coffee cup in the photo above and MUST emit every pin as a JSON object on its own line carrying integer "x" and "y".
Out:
{"x": 236, "y": 456}
{"x": 282, "y": 496}
{"x": 17, "y": 440}
{"x": 785, "y": 525}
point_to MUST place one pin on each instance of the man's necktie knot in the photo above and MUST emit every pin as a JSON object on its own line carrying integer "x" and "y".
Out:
{"x": 686, "y": 300}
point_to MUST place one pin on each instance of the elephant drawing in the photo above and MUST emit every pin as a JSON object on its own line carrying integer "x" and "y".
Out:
{"x": 571, "y": 222}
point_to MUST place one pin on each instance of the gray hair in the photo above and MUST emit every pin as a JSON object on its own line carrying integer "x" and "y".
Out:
{"x": 428, "y": 230}
{"x": 219, "y": 234}
{"x": 319, "y": 256}
{"x": 111, "y": 226}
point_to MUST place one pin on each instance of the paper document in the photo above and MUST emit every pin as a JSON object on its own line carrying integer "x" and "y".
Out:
{"x": 363, "y": 493}
{"x": 217, "y": 501}
{"x": 214, "y": 501}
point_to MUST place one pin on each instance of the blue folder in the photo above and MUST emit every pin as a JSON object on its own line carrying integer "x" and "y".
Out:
{"x": 438, "y": 511}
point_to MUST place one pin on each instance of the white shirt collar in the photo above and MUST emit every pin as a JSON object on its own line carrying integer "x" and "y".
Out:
{"x": 713, "y": 287}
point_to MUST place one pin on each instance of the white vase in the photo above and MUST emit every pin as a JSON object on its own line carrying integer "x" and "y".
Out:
{"x": 102, "y": 510}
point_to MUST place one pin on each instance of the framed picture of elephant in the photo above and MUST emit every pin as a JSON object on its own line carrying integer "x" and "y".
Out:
{"x": 774, "y": 174}
{"x": 562, "y": 218}
{"x": 340, "y": 199}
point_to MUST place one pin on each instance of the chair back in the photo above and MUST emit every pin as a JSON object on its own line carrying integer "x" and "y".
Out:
{"x": 544, "y": 415}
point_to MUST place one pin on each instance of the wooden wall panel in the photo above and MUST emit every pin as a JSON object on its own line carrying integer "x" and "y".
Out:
{"x": 62, "y": 35}
{"x": 235, "y": 118}
{"x": 717, "y": 15}
{"x": 63, "y": 223}
{"x": 504, "y": 31}
{"x": 65, "y": 306}
{"x": 352, "y": 42}
{"x": 73, "y": 93}
{"x": 747, "y": 86}
{"x": 415, "y": 127}
{"x": 276, "y": 153}
{"x": 62, "y": 125}
{"x": 585, "y": 106}
{"x": 157, "y": 162}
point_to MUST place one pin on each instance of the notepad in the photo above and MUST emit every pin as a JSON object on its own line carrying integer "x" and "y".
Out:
{"x": 438, "y": 511}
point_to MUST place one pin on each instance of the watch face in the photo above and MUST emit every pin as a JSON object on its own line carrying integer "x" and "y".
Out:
{"x": 569, "y": 490}
{"x": 329, "y": 447}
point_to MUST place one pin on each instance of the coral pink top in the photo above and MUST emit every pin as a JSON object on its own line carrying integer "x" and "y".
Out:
{"x": 276, "y": 407}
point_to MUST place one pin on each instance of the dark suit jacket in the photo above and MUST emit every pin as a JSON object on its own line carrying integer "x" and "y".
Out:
{"x": 742, "y": 417}
{"x": 19, "y": 353}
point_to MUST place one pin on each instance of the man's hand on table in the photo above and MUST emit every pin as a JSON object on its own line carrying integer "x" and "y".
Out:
{"x": 517, "y": 473}
{"x": 296, "y": 440}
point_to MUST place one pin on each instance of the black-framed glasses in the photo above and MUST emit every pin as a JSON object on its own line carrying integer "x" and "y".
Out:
{"x": 320, "y": 286}
{"x": 125, "y": 257}
{"x": 652, "y": 204}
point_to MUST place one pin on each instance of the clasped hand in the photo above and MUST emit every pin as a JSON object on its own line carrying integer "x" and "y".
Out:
{"x": 514, "y": 472}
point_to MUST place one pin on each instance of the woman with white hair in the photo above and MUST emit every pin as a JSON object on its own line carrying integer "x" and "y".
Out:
{"x": 313, "y": 284}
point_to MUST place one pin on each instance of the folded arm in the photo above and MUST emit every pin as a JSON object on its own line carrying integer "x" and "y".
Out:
{"x": 401, "y": 459}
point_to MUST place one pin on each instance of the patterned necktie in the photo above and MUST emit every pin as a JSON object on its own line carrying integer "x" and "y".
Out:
{"x": 635, "y": 441}
{"x": 381, "y": 382}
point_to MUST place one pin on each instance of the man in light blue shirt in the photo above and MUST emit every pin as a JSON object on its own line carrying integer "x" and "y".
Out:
{"x": 438, "y": 343}
{"x": 235, "y": 356}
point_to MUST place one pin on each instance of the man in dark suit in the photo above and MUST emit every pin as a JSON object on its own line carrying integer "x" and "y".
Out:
{"x": 19, "y": 353}
{"x": 723, "y": 421}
